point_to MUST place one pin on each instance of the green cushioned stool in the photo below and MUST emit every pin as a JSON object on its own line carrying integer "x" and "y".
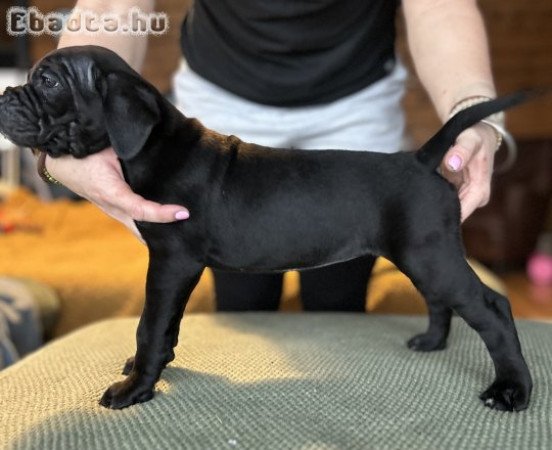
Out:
{"x": 276, "y": 381}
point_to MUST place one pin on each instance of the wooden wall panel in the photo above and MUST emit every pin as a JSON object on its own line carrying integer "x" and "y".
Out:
{"x": 520, "y": 41}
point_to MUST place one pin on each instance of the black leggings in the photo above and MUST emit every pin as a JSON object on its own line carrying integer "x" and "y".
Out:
{"x": 339, "y": 287}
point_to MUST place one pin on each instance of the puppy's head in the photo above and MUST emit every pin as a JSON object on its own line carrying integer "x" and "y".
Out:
{"x": 79, "y": 100}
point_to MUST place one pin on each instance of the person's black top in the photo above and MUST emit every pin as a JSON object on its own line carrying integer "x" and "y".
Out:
{"x": 291, "y": 52}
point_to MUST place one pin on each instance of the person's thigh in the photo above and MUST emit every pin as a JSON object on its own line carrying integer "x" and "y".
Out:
{"x": 339, "y": 287}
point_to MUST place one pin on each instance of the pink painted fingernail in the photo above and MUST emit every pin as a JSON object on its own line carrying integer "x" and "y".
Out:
{"x": 454, "y": 163}
{"x": 182, "y": 215}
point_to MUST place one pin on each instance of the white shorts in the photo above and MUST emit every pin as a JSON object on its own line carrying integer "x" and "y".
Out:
{"x": 371, "y": 119}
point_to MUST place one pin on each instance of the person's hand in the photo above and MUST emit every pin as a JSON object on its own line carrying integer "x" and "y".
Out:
{"x": 469, "y": 166}
{"x": 99, "y": 178}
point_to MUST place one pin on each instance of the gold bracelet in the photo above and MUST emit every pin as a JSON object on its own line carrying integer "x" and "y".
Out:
{"x": 43, "y": 172}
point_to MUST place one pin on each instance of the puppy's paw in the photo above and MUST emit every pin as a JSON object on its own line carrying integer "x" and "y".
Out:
{"x": 127, "y": 392}
{"x": 506, "y": 395}
{"x": 129, "y": 364}
{"x": 426, "y": 342}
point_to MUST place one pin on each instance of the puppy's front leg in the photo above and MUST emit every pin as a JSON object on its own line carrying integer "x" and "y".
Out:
{"x": 172, "y": 275}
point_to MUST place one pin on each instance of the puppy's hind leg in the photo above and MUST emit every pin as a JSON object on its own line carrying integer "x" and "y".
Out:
{"x": 441, "y": 273}
{"x": 435, "y": 338}
{"x": 512, "y": 387}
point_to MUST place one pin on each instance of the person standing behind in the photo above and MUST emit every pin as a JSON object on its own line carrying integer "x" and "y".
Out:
{"x": 312, "y": 75}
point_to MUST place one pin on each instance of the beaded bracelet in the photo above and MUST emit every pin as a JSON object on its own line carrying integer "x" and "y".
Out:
{"x": 43, "y": 172}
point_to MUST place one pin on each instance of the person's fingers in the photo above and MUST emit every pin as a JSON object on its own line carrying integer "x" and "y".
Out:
{"x": 476, "y": 195}
{"x": 459, "y": 157}
{"x": 99, "y": 179}
{"x": 460, "y": 154}
{"x": 119, "y": 200}
{"x": 143, "y": 210}
{"x": 468, "y": 165}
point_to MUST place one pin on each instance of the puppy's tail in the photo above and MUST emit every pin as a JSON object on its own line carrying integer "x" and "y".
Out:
{"x": 433, "y": 151}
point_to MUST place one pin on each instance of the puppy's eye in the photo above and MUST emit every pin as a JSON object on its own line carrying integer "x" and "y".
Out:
{"x": 49, "y": 82}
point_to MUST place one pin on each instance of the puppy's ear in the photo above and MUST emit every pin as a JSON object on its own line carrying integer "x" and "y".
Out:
{"x": 131, "y": 111}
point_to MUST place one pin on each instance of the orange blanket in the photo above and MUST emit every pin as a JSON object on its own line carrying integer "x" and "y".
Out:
{"x": 96, "y": 266}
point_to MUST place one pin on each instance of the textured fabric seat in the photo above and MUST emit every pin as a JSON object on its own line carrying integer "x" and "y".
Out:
{"x": 289, "y": 381}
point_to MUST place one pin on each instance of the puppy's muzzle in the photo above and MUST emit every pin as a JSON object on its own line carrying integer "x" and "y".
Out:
{"x": 19, "y": 116}
{"x": 54, "y": 128}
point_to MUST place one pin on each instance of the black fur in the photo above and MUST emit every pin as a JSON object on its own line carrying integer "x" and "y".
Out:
{"x": 261, "y": 209}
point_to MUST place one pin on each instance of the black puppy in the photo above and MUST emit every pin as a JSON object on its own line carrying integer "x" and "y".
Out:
{"x": 261, "y": 209}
